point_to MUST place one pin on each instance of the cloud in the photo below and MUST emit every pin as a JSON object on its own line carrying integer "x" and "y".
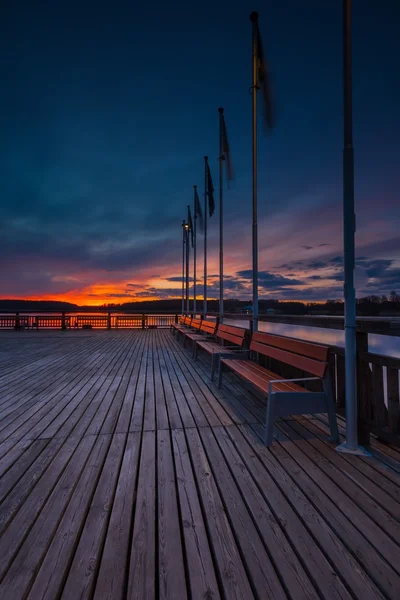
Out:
{"x": 177, "y": 278}
{"x": 270, "y": 280}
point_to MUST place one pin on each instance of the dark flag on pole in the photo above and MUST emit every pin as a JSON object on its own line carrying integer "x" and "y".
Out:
{"x": 190, "y": 222}
{"x": 197, "y": 209}
{"x": 226, "y": 154}
{"x": 264, "y": 82}
{"x": 210, "y": 192}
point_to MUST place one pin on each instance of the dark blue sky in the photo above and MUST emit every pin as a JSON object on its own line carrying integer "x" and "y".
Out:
{"x": 107, "y": 111}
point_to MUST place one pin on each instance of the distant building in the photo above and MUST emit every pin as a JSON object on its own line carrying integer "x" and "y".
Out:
{"x": 247, "y": 310}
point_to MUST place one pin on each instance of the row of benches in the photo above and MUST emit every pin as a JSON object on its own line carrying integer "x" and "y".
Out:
{"x": 284, "y": 397}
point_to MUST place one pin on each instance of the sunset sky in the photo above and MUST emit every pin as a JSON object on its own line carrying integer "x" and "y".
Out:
{"x": 107, "y": 110}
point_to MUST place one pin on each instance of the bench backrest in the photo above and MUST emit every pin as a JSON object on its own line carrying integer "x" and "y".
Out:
{"x": 208, "y": 327}
{"x": 234, "y": 335}
{"x": 196, "y": 323}
{"x": 306, "y": 356}
{"x": 187, "y": 320}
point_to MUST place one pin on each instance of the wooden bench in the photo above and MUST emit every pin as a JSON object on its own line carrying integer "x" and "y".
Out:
{"x": 184, "y": 323}
{"x": 228, "y": 340}
{"x": 285, "y": 396}
{"x": 204, "y": 329}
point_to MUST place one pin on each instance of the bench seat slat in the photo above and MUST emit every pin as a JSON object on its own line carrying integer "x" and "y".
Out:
{"x": 236, "y": 331}
{"x": 228, "y": 337}
{"x": 304, "y": 363}
{"x": 306, "y": 349}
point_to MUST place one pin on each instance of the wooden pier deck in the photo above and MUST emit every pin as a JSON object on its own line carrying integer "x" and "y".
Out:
{"x": 124, "y": 473}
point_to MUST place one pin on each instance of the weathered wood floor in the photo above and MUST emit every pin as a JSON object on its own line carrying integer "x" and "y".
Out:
{"x": 126, "y": 474}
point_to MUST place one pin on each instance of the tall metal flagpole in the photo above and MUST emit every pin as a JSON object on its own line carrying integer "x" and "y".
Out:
{"x": 349, "y": 227}
{"x": 187, "y": 264}
{"x": 183, "y": 265}
{"x": 194, "y": 249}
{"x": 205, "y": 237}
{"x": 254, "y": 20}
{"x": 221, "y": 219}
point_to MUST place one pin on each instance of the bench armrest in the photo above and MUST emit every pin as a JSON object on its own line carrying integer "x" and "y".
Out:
{"x": 272, "y": 381}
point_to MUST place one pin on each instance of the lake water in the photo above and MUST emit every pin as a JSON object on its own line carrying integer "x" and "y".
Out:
{"x": 380, "y": 344}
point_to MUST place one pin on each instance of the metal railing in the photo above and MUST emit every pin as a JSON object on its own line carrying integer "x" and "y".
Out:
{"x": 66, "y": 321}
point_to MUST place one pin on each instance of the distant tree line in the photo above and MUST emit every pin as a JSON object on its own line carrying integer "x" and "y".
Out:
{"x": 369, "y": 306}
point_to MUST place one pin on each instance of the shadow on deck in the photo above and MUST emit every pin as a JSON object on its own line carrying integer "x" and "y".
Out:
{"x": 126, "y": 474}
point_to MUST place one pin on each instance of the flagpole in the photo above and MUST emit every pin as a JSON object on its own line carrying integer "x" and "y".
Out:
{"x": 349, "y": 221}
{"x": 221, "y": 220}
{"x": 187, "y": 264}
{"x": 194, "y": 250}
{"x": 205, "y": 237}
{"x": 183, "y": 266}
{"x": 254, "y": 20}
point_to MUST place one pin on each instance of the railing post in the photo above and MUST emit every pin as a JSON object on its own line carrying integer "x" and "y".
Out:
{"x": 176, "y": 318}
{"x": 17, "y": 322}
{"x": 143, "y": 321}
{"x": 63, "y": 327}
{"x": 109, "y": 320}
{"x": 363, "y": 390}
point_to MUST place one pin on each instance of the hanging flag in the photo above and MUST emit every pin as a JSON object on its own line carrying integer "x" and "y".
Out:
{"x": 210, "y": 192}
{"x": 226, "y": 154}
{"x": 197, "y": 209}
{"x": 264, "y": 82}
{"x": 190, "y": 225}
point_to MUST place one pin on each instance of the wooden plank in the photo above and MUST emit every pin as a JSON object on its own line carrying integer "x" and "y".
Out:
{"x": 149, "y": 420}
{"x": 142, "y": 569}
{"x": 16, "y": 498}
{"x": 110, "y": 583}
{"x": 200, "y": 567}
{"x": 51, "y": 575}
{"x": 136, "y": 423}
{"x": 125, "y": 415}
{"x": 18, "y": 469}
{"x": 171, "y": 570}
{"x": 346, "y": 523}
{"x": 33, "y": 501}
{"x": 364, "y": 494}
{"x": 174, "y": 417}
{"x": 296, "y": 581}
{"x": 309, "y": 365}
{"x": 24, "y": 568}
{"x": 159, "y": 394}
{"x": 236, "y": 331}
{"x": 393, "y": 400}
{"x": 228, "y": 337}
{"x": 325, "y": 558}
{"x": 306, "y": 349}
{"x": 258, "y": 563}
{"x": 232, "y": 574}
{"x": 377, "y": 473}
{"x": 10, "y": 451}
{"x": 84, "y": 568}
{"x": 379, "y": 408}
{"x": 195, "y": 390}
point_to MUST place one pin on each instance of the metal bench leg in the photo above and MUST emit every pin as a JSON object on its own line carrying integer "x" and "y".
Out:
{"x": 331, "y": 410}
{"x": 213, "y": 357}
{"x": 194, "y": 350}
{"x": 269, "y": 424}
{"x": 220, "y": 367}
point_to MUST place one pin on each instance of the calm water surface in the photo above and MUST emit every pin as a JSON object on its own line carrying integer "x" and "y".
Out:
{"x": 380, "y": 344}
